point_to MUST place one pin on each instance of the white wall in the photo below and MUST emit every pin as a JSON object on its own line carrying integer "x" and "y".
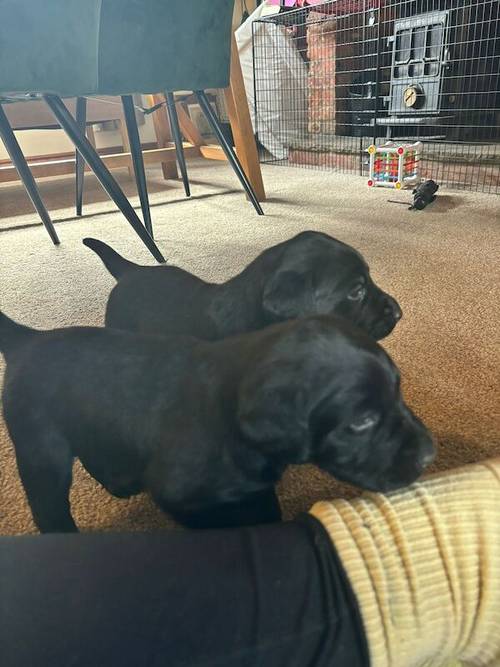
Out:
{"x": 46, "y": 142}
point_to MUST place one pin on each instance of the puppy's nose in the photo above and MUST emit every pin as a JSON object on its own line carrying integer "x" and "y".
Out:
{"x": 392, "y": 309}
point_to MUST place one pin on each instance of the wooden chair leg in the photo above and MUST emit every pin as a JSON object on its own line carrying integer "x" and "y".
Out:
{"x": 126, "y": 145}
{"x": 91, "y": 135}
{"x": 188, "y": 128}
{"x": 163, "y": 135}
{"x": 19, "y": 161}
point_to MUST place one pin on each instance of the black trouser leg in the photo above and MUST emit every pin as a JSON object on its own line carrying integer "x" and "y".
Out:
{"x": 91, "y": 157}
{"x": 81, "y": 119}
{"x": 228, "y": 150}
{"x": 272, "y": 596}
{"x": 137, "y": 159}
{"x": 19, "y": 161}
{"x": 257, "y": 509}
{"x": 177, "y": 137}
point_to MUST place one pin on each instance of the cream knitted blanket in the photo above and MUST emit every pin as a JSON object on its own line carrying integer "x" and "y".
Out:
{"x": 424, "y": 564}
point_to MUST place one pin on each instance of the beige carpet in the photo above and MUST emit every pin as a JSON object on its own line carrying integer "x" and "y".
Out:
{"x": 442, "y": 264}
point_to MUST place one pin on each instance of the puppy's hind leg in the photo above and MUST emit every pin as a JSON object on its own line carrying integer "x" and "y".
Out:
{"x": 45, "y": 466}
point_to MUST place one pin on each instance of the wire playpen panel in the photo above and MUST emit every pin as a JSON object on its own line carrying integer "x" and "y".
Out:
{"x": 332, "y": 79}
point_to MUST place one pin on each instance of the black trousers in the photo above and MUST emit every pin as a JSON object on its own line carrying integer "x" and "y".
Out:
{"x": 270, "y": 596}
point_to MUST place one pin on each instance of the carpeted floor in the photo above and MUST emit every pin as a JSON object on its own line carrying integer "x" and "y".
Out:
{"x": 442, "y": 264}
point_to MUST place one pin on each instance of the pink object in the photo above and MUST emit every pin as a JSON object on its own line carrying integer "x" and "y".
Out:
{"x": 295, "y": 3}
{"x": 330, "y": 7}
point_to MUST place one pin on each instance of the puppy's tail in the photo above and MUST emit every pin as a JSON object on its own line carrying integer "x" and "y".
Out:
{"x": 115, "y": 263}
{"x": 13, "y": 335}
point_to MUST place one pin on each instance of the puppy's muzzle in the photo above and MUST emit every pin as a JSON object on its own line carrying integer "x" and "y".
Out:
{"x": 392, "y": 310}
{"x": 389, "y": 313}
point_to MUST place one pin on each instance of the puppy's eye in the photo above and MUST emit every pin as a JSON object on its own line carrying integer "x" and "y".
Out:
{"x": 364, "y": 424}
{"x": 357, "y": 293}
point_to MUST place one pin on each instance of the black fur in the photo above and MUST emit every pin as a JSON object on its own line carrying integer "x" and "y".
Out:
{"x": 206, "y": 428}
{"x": 310, "y": 274}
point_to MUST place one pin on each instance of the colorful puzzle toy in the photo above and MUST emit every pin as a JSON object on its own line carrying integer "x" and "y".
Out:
{"x": 395, "y": 165}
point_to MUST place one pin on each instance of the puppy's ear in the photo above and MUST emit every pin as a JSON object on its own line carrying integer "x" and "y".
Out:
{"x": 273, "y": 411}
{"x": 283, "y": 294}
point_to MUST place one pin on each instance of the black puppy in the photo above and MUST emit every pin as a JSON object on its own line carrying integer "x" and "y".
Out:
{"x": 310, "y": 274}
{"x": 206, "y": 428}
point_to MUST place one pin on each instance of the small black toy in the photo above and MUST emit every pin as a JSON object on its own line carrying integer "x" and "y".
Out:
{"x": 423, "y": 195}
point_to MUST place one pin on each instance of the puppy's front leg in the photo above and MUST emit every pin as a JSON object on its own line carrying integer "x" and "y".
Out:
{"x": 45, "y": 467}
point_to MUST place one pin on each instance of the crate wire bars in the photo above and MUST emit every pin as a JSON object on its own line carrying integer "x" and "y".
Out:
{"x": 332, "y": 79}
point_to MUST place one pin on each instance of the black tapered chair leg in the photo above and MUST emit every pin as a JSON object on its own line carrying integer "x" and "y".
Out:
{"x": 92, "y": 158}
{"x": 228, "y": 150}
{"x": 177, "y": 137}
{"x": 137, "y": 159}
{"x": 19, "y": 161}
{"x": 81, "y": 121}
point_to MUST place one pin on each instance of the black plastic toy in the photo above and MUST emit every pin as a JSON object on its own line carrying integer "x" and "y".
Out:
{"x": 423, "y": 195}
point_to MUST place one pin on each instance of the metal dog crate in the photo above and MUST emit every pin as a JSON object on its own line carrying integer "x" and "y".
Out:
{"x": 333, "y": 78}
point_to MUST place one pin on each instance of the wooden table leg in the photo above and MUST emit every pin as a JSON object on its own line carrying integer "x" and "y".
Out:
{"x": 91, "y": 135}
{"x": 241, "y": 124}
{"x": 188, "y": 128}
{"x": 163, "y": 134}
{"x": 126, "y": 144}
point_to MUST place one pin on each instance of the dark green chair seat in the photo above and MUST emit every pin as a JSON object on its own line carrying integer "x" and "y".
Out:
{"x": 80, "y": 48}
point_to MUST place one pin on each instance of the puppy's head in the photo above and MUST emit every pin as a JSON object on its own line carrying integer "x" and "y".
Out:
{"x": 318, "y": 275}
{"x": 322, "y": 392}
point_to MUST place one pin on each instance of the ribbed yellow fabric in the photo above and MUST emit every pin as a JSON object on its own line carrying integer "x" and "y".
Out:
{"x": 424, "y": 564}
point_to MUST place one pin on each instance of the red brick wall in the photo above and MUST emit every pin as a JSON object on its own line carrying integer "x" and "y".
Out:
{"x": 332, "y": 45}
{"x": 321, "y": 51}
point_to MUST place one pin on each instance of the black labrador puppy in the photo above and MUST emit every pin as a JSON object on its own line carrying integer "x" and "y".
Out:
{"x": 206, "y": 428}
{"x": 310, "y": 274}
